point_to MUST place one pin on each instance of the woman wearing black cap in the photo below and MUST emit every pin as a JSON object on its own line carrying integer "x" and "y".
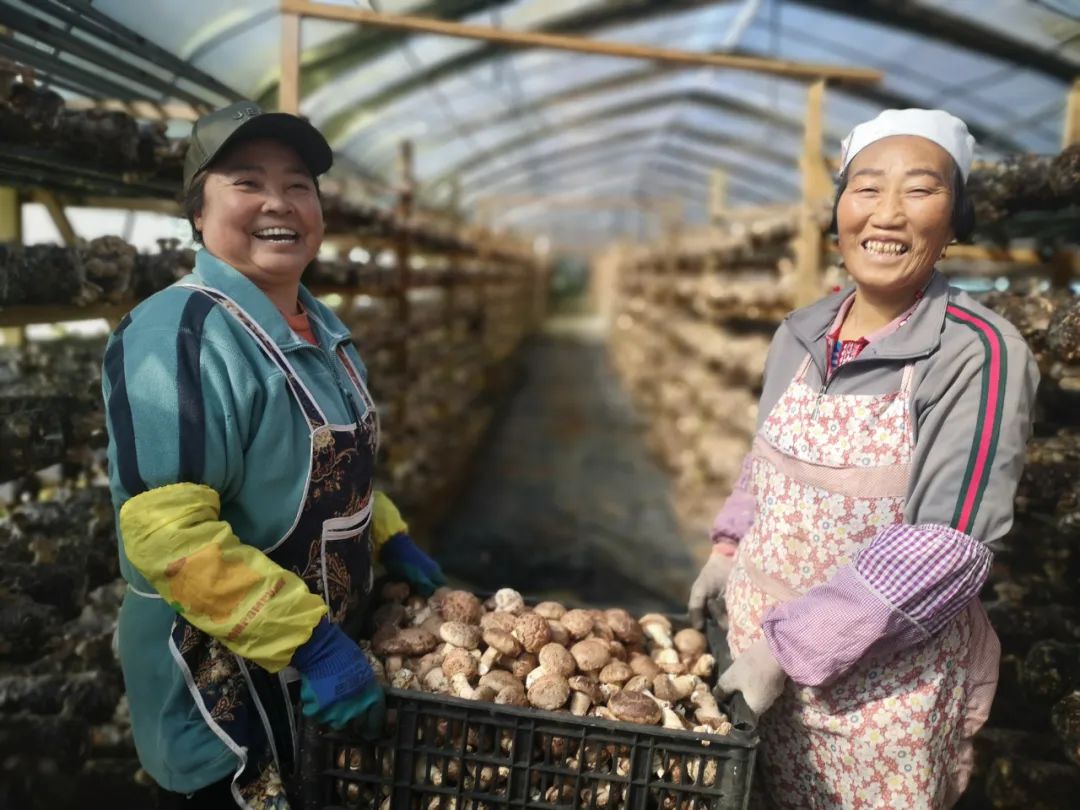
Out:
{"x": 242, "y": 441}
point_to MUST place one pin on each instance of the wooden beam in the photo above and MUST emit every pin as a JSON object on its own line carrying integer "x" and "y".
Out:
{"x": 532, "y": 39}
{"x": 289, "y": 86}
{"x": 146, "y": 110}
{"x": 58, "y": 214}
{"x": 1071, "y": 134}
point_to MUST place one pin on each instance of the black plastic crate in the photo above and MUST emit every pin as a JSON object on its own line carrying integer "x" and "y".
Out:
{"x": 451, "y": 754}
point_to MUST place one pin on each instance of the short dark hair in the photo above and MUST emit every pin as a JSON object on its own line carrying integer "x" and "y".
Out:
{"x": 963, "y": 209}
{"x": 191, "y": 201}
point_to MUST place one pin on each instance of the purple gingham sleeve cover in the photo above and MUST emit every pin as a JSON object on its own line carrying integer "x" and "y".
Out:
{"x": 902, "y": 588}
{"x": 736, "y": 516}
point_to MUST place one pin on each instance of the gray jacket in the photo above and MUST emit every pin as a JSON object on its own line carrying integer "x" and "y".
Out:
{"x": 973, "y": 393}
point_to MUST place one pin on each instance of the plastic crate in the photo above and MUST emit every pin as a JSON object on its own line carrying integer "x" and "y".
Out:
{"x": 451, "y": 754}
{"x": 442, "y": 753}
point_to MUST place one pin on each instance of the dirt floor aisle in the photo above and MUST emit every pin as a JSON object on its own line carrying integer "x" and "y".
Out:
{"x": 564, "y": 499}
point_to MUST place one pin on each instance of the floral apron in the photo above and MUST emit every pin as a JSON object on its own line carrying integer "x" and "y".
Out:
{"x": 329, "y": 546}
{"x": 829, "y": 473}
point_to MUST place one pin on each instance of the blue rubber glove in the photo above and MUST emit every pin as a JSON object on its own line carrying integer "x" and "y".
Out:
{"x": 337, "y": 685}
{"x": 403, "y": 560}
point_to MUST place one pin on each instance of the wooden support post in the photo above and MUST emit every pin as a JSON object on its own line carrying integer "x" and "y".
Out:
{"x": 403, "y": 251}
{"x": 560, "y": 42}
{"x": 10, "y": 215}
{"x": 816, "y": 187}
{"x": 718, "y": 194}
{"x": 1071, "y": 134}
{"x": 289, "y": 86}
{"x": 59, "y": 216}
{"x": 11, "y": 232}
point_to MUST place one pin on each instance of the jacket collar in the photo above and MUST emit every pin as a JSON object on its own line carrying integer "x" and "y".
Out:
{"x": 212, "y": 272}
{"x": 919, "y": 337}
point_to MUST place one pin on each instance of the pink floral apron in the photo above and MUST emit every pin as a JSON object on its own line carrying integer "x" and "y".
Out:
{"x": 828, "y": 474}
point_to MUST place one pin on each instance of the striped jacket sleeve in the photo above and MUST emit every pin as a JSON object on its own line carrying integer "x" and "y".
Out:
{"x": 179, "y": 405}
{"x": 973, "y": 422}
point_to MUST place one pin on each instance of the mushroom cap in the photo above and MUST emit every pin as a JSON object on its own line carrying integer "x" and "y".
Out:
{"x": 635, "y": 707}
{"x": 591, "y": 655}
{"x": 395, "y": 591}
{"x": 499, "y": 679}
{"x": 508, "y": 600}
{"x": 432, "y": 623}
{"x": 499, "y": 620}
{"x": 703, "y": 667}
{"x": 556, "y": 658}
{"x": 484, "y": 693}
{"x": 559, "y": 634}
{"x": 669, "y": 662}
{"x": 663, "y": 686}
{"x": 549, "y": 692}
{"x": 616, "y": 672}
{"x": 427, "y": 663}
{"x": 459, "y": 660}
{"x": 623, "y": 625}
{"x": 655, "y": 618}
{"x": 643, "y": 665}
{"x": 407, "y": 641}
{"x": 600, "y": 628}
{"x": 436, "y": 681}
{"x": 638, "y": 683}
{"x": 459, "y": 606}
{"x": 535, "y": 675}
{"x": 532, "y": 631}
{"x": 691, "y": 642}
{"x": 587, "y": 686}
{"x": 521, "y": 666}
{"x": 512, "y": 696}
{"x": 460, "y": 634}
{"x": 617, "y": 650}
{"x": 578, "y": 622}
{"x": 405, "y": 679}
{"x": 389, "y": 613}
{"x": 502, "y": 641}
{"x": 550, "y": 610}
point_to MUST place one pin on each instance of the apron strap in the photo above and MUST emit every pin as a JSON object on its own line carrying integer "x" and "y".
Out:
{"x": 361, "y": 389}
{"x": 315, "y": 416}
{"x": 905, "y": 381}
{"x": 802, "y": 369}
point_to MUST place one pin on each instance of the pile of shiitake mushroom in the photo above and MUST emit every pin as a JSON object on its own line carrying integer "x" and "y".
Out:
{"x": 596, "y": 663}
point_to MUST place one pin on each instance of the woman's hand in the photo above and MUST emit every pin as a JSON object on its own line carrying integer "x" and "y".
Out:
{"x": 404, "y": 560}
{"x": 757, "y": 674}
{"x": 338, "y": 685}
{"x": 709, "y": 584}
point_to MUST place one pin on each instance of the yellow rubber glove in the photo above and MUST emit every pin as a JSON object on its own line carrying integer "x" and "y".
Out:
{"x": 174, "y": 537}
{"x": 387, "y": 521}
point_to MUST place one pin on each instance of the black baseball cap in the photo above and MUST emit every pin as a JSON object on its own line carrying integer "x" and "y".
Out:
{"x": 244, "y": 121}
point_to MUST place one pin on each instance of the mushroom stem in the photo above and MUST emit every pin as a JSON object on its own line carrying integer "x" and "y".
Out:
{"x": 488, "y": 660}
{"x": 579, "y": 704}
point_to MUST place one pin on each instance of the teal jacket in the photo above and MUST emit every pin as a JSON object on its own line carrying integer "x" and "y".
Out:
{"x": 190, "y": 397}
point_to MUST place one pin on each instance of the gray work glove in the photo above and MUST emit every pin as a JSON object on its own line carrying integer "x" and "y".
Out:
{"x": 757, "y": 674}
{"x": 709, "y": 587}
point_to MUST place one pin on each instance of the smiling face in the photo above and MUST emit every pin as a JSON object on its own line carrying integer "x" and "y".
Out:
{"x": 895, "y": 215}
{"x": 261, "y": 213}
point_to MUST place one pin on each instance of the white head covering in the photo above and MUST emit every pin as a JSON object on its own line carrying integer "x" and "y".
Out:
{"x": 947, "y": 131}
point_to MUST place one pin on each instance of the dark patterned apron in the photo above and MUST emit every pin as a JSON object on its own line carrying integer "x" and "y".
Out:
{"x": 329, "y": 546}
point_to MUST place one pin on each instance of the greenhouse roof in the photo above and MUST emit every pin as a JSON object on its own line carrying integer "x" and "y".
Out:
{"x": 577, "y": 145}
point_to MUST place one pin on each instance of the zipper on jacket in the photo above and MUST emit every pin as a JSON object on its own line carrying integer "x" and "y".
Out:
{"x": 329, "y": 361}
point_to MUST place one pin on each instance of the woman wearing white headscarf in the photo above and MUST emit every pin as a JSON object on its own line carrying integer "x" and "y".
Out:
{"x": 890, "y": 441}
